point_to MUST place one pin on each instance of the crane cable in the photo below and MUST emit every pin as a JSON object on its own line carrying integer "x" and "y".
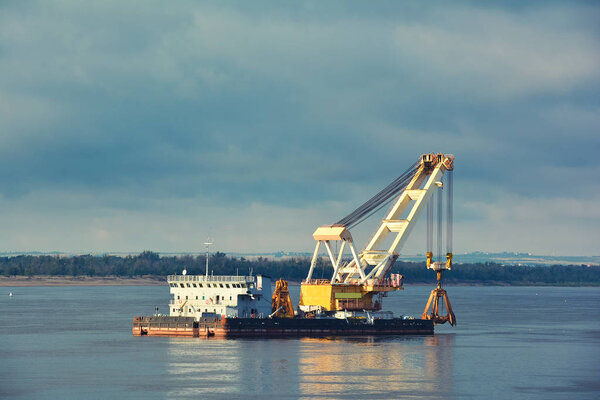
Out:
{"x": 382, "y": 198}
{"x": 429, "y": 245}
{"x": 439, "y": 198}
{"x": 449, "y": 190}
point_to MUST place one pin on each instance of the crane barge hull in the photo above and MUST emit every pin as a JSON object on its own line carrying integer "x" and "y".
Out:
{"x": 221, "y": 327}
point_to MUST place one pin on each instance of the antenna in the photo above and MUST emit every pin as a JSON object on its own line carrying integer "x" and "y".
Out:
{"x": 207, "y": 244}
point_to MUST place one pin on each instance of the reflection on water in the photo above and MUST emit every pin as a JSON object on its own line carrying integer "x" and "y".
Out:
{"x": 221, "y": 368}
{"x": 438, "y": 361}
{"x": 355, "y": 367}
{"x": 202, "y": 367}
{"x": 376, "y": 367}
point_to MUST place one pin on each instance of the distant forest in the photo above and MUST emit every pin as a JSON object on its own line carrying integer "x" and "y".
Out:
{"x": 294, "y": 269}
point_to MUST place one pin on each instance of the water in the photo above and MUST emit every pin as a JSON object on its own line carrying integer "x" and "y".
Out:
{"x": 510, "y": 342}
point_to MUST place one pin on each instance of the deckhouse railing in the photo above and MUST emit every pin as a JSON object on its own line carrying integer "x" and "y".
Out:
{"x": 210, "y": 278}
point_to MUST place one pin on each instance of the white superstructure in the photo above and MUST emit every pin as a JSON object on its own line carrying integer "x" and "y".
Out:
{"x": 230, "y": 296}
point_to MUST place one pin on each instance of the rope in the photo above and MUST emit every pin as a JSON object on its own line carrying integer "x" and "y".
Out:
{"x": 449, "y": 189}
{"x": 382, "y": 198}
{"x": 429, "y": 246}
{"x": 439, "y": 196}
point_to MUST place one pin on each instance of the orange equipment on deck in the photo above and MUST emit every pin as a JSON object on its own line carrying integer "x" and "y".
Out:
{"x": 282, "y": 303}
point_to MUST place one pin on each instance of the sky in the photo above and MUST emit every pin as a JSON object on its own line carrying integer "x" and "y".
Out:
{"x": 151, "y": 125}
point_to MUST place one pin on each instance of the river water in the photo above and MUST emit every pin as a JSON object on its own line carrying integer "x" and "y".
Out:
{"x": 510, "y": 343}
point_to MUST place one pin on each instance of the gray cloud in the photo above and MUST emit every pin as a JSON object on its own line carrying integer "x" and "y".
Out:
{"x": 306, "y": 109}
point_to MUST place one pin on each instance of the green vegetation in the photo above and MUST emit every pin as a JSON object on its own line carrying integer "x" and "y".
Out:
{"x": 295, "y": 269}
{"x": 498, "y": 274}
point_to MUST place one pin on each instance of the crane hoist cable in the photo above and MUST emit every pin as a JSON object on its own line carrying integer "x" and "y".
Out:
{"x": 439, "y": 197}
{"x": 449, "y": 189}
{"x": 382, "y": 198}
{"x": 429, "y": 244}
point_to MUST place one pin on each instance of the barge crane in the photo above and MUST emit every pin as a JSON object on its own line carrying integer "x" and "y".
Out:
{"x": 359, "y": 283}
{"x": 349, "y": 302}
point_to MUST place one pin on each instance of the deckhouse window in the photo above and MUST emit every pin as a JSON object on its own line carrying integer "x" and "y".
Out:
{"x": 227, "y": 285}
{"x": 199, "y": 285}
{"x": 194, "y": 284}
{"x": 181, "y": 284}
{"x": 220, "y": 284}
{"x": 188, "y": 285}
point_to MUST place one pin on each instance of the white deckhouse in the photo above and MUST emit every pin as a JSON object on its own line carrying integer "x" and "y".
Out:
{"x": 224, "y": 295}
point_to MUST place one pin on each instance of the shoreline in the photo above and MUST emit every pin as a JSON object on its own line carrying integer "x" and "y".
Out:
{"x": 150, "y": 280}
{"x": 29, "y": 281}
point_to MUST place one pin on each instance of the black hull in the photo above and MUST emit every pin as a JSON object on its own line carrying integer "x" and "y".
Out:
{"x": 278, "y": 327}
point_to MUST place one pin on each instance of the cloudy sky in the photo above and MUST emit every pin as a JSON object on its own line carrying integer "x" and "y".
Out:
{"x": 127, "y": 126}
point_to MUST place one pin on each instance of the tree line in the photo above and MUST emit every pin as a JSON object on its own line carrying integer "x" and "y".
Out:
{"x": 295, "y": 269}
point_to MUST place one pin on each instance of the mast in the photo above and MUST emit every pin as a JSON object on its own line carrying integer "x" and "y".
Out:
{"x": 207, "y": 244}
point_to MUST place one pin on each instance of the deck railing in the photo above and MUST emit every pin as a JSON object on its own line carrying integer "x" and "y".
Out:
{"x": 394, "y": 281}
{"x": 210, "y": 278}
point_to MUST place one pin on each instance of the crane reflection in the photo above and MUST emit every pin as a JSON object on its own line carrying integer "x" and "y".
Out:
{"x": 418, "y": 366}
{"x": 350, "y": 367}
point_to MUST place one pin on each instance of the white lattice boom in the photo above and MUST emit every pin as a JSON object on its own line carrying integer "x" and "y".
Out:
{"x": 374, "y": 263}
